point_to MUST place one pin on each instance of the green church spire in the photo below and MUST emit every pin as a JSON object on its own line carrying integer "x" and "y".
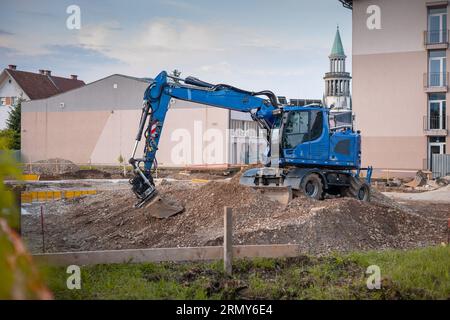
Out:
{"x": 338, "y": 49}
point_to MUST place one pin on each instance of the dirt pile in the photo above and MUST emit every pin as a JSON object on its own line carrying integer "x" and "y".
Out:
{"x": 51, "y": 167}
{"x": 108, "y": 221}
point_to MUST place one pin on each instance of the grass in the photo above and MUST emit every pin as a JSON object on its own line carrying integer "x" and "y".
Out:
{"x": 415, "y": 274}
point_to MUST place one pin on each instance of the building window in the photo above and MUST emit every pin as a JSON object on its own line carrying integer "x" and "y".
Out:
{"x": 3, "y": 101}
{"x": 437, "y": 113}
{"x": 436, "y": 145}
{"x": 437, "y": 68}
{"x": 437, "y": 25}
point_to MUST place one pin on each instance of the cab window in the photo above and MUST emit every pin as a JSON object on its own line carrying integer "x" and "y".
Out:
{"x": 301, "y": 127}
{"x": 316, "y": 124}
{"x": 296, "y": 129}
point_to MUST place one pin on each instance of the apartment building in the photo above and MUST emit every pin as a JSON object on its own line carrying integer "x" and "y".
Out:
{"x": 400, "y": 81}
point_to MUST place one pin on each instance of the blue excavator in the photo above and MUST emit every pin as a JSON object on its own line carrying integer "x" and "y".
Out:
{"x": 306, "y": 153}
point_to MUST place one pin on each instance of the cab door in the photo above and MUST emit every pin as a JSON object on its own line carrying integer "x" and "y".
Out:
{"x": 319, "y": 139}
{"x": 296, "y": 136}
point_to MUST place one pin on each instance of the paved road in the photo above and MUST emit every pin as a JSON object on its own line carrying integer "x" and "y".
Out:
{"x": 439, "y": 195}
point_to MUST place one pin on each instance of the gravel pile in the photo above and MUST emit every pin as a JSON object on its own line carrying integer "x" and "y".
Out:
{"x": 108, "y": 221}
{"x": 51, "y": 167}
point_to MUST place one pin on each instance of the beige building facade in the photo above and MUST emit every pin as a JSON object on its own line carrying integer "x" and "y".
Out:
{"x": 400, "y": 82}
{"x": 97, "y": 124}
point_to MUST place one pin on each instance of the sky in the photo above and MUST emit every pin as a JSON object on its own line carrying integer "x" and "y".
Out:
{"x": 281, "y": 45}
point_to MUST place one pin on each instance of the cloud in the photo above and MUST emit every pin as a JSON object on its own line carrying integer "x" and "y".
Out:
{"x": 35, "y": 13}
{"x": 6, "y": 33}
{"x": 78, "y": 53}
{"x": 156, "y": 45}
{"x": 179, "y": 4}
{"x": 7, "y": 51}
{"x": 246, "y": 57}
{"x": 219, "y": 68}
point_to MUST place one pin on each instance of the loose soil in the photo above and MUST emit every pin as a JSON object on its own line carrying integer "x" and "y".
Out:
{"x": 108, "y": 221}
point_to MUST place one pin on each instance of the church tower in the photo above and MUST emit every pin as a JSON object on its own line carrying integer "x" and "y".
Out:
{"x": 337, "y": 81}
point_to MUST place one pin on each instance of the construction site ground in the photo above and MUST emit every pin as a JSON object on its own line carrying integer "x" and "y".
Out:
{"x": 109, "y": 221}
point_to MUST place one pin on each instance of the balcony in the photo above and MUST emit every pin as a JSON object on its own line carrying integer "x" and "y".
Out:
{"x": 435, "y": 126}
{"x": 436, "y": 39}
{"x": 435, "y": 82}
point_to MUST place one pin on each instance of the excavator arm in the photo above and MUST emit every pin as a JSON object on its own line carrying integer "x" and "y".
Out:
{"x": 156, "y": 103}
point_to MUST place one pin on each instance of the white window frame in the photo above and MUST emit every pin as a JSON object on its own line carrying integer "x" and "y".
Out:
{"x": 441, "y": 116}
{"x": 442, "y": 70}
{"x": 442, "y": 150}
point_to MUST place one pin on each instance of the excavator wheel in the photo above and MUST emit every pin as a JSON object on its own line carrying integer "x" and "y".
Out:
{"x": 312, "y": 187}
{"x": 358, "y": 189}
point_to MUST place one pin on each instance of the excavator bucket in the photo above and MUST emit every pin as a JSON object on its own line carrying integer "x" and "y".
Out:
{"x": 162, "y": 208}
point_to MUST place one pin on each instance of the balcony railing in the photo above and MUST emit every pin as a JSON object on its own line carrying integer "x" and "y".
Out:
{"x": 435, "y": 125}
{"x": 435, "y": 80}
{"x": 435, "y": 37}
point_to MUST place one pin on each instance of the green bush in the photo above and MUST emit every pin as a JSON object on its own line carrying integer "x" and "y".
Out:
{"x": 9, "y": 138}
{"x": 13, "y": 123}
{"x": 8, "y": 169}
{"x": 19, "y": 278}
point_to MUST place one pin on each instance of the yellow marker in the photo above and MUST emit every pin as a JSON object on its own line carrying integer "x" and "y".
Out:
{"x": 30, "y": 177}
{"x": 25, "y": 197}
{"x": 31, "y": 196}
{"x": 68, "y": 194}
{"x": 42, "y": 195}
{"x": 199, "y": 180}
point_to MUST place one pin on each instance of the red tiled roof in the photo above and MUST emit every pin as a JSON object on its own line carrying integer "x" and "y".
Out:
{"x": 40, "y": 86}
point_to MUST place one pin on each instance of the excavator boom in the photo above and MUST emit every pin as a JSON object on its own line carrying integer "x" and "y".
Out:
{"x": 156, "y": 103}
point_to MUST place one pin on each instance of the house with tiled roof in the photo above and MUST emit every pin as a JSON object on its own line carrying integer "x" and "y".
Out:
{"x": 15, "y": 84}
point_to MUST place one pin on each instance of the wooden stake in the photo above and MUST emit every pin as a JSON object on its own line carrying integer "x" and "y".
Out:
{"x": 42, "y": 229}
{"x": 228, "y": 240}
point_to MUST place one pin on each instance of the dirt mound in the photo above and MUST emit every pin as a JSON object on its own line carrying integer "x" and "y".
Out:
{"x": 86, "y": 174}
{"x": 51, "y": 167}
{"x": 108, "y": 221}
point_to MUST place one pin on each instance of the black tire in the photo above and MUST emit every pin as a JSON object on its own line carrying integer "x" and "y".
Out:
{"x": 357, "y": 189}
{"x": 312, "y": 187}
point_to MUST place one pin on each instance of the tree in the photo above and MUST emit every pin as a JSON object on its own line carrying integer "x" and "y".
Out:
{"x": 14, "y": 116}
{"x": 8, "y": 139}
{"x": 13, "y": 123}
{"x": 124, "y": 164}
